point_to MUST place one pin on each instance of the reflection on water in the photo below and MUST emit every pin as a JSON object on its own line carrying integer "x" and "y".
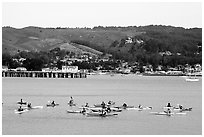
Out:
{"x": 134, "y": 90}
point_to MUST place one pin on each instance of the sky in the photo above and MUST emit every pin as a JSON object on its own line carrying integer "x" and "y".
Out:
{"x": 90, "y": 14}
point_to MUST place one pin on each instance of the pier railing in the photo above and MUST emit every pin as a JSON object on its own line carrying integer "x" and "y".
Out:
{"x": 41, "y": 74}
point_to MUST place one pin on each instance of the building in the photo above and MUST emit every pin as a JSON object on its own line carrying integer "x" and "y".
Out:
{"x": 46, "y": 70}
{"x": 71, "y": 69}
{"x": 128, "y": 40}
{"x": 4, "y": 68}
{"x": 21, "y": 69}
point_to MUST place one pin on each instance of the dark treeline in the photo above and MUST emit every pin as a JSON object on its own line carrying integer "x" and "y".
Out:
{"x": 35, "y": 61}
{"x": 157, "y": 46}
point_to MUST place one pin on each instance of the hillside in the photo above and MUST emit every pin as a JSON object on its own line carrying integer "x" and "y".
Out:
{"x": 130, "y": 43}
{"x": 39, "y": 39}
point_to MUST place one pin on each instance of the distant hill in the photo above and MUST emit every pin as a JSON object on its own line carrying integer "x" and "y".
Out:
{"x": 39, "y": 39}
{"x": 126, "y": 42}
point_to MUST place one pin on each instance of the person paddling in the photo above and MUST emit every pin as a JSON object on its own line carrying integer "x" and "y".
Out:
{"x": 168, "y": 111}
{"x": 86, "y": 105}
{"x": 180, "y": 107}
{"x": 109, "y": 102}
{"x": 53, "y": 102}
{"x": 71, "y": 100}
{"x": 83, "y": 110}
{"x": 103, "y": 112}
{"x": 103, "y": 105}
{"x": 108, "y": 109}
{"x": 20, "y": 109}
{"x": 168, "y": 105}
{"x": 124, "y": 105}
{"x": 29, "y": 105}
{"x": 140, "y": 106}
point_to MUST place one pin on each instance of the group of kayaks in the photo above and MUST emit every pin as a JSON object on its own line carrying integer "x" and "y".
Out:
{"x": 25, "y": 107}
{"x": 104, "y": 109}
{"x": 173, "y": 110}
{"x": 110, "y": 109}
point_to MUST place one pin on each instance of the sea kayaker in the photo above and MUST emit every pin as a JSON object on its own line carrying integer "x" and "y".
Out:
{"x": 140, "y": 106}
{"x": 53, "y": 102}
{"x": 86, "y": 105}
{"x": 124, "y": 105}
{"x": 20, "y": 109}
{"x": 29, "y": 105}
{"x": 168, "y": 105}
{"x": 103, "y": 105}
{"x": 103, "y": 112}
{"x": 71, "y": 100}
{"x": 108, "y": 109}
{"x": 180, "y": 107}
{"x": 109, "y": 102}
{"x": 83, "y": 110}
{"x": 168, "y": 111}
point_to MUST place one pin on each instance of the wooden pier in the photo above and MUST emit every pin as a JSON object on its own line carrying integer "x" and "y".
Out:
{"x": 40, "y": 74}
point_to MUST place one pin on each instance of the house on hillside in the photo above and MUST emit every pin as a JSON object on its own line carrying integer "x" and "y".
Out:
{"x": 21, "y": 69}
{"x": 198, "y": 68}
{"x": 128, "y": 40}
{"x": 4, "y": 68}
{"x": 70, "y": 69}
{"x": 46, "y": 70}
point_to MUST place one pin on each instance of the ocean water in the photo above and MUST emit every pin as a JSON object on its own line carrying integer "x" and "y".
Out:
{"x": 132, "y": 89}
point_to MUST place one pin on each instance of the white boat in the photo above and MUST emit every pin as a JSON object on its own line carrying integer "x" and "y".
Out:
{"x": 191, "y": 78}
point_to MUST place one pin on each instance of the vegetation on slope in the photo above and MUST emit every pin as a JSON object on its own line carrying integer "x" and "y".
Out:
{"x": 155, "y": 45}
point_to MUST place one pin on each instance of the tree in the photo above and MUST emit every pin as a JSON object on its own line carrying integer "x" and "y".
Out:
{"x": 114, "y": 44}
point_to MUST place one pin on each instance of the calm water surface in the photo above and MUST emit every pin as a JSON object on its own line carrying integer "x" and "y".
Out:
{"x": 134, "y": 90}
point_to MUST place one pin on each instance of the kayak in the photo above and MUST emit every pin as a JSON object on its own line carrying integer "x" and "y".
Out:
{"x": 87, "y": 108}
{"x": 71, "y": 104}
{"x": 20, "y": 112}
{"x": 164, "y": 113}
{"x": 168, "y": 107}
{"x": 52, "y": 105}
{"x": 75, "y": 111}
{"x": 33, "y": 107}
{"x": 95, "y": 109}
{"x": 22, "y": 103}
{"x": 98, "y": 114}
{"x": 122, "y": 107}
{"x": 99, "y": 105}
{"x": 98, "y": 109}
{"x": 116, "y": 109}
{"x": 184, "y": 109}
{"x": 111, "y": 103}
{"x": 140, "y": 109}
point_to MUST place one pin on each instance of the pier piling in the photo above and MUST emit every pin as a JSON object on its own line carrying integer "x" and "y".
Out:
{"x": 40, "y": 74}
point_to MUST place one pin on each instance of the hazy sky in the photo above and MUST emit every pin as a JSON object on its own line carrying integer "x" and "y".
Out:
{"x": 89, "y": 14}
